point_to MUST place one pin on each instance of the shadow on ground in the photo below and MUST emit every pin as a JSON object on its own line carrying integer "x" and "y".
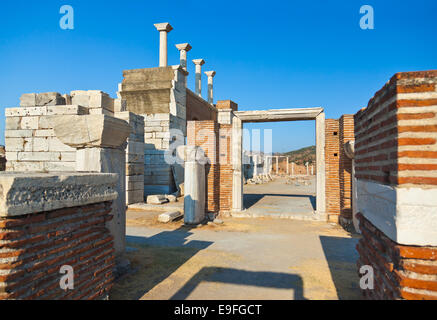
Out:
{"x": 245, "y": 278}
{"x": 250, "y": 199}
{"x": 165, "y": 253}
{"x": 339, "y": 253}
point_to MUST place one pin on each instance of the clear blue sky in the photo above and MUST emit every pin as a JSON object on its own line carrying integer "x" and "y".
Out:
{"x": 267, "y": 54}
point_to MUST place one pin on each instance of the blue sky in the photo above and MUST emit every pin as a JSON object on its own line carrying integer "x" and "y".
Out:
{"x": 267, "y": 54}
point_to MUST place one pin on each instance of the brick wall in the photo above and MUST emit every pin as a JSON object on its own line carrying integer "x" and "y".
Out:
{"x": 332, "y": 154}
{"x": 33, "y": 247}
{"x": 204, "y": 134}
{"x": 225, "y": 167}
{"x": 401, "y": 272}
{"x": 396, "y": 134}
{"x": 338, "y": 169}
{"x": 346, "y": 134}
{"x": 395, "y": 161}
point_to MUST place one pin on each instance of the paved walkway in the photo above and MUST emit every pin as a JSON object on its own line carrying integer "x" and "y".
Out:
{"x": 277, "y": 199}
{"x": 240, "y": 259}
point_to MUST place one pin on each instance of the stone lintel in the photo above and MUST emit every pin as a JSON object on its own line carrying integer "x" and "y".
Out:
{"x": 279, "y": 115}
{"x": 25, "y": 192}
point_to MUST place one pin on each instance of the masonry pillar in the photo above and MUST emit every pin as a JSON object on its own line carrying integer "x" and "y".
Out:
{"x": 198, "y": 84}
{"x": 320, "y": 163}
{"x": 100, "y": 141}
{"x": 210, "y": 75}
{"x": 195, "y": 179}
{"x": 163, "y": 29}
{"x": 277, "y": 165}
{"x": 183, "y": 49}
{"x": 255, "y": 165}
{"x": 237, "y": 177}
{"x": 288, "y": 166}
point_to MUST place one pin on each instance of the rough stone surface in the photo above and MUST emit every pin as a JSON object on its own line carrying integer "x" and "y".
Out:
{"x": 156, "y": 199}
{"x": 169, "y": 216}
{"x": 25, "y": 193}
{"x": 91, "y": 131}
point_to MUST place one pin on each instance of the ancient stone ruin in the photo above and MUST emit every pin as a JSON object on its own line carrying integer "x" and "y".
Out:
{"x": 75, "y": 160}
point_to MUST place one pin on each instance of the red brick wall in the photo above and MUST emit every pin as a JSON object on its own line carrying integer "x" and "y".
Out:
{"x": 346, "y": 134}
{"x": 34, "y": 247}
{"x": 226, "y": 170}
{"x": 332, "y": 154}
{"x": 216, "y": 140}
{"x": 205, "y": 134}
{"x": 396, "y": 134}
{"x": 400, "y": 272}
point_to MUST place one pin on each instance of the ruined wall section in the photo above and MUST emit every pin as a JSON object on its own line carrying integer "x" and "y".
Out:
{"x": 40, "y": 234}
{"x": 396, "y": 171}
{"x": 159, "y": 95}
{"x": 134, "y": 157}
{"x": 199, "y": 109}
{"x": 30, "y": 142}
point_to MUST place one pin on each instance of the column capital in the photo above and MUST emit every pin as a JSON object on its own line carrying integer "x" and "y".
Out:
{"x": 210, "y": 74}
{"x": 164, "y": 26}
{"x": 199, "y": 62}
{"x": 183, "y": 46}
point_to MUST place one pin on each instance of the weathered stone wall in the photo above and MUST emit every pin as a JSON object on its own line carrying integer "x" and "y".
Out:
{"x": 159, "y": 95}
{"x": 199, "y": 109}
{"x": 30, "y": 142}
{"x": 134, "y": 157}
{"x": 51, "y": 220}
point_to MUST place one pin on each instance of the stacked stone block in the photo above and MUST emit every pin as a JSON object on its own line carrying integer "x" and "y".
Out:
{"x": 134, "y": 157}
{"x": 159, "y": 95}
{"x": 30, "y": 141}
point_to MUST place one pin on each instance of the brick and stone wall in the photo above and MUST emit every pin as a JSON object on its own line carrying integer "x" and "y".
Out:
{"x": 346, "y": 134}
{"x": 395, "y": 160}
{"x": 67, "y": 226}
{"x": 401, "y": 272}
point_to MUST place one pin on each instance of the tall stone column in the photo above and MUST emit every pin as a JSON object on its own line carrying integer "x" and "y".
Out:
{"x": 195, "y": 180}
{"x": 255, "y": 165}
{"x": 288, "y": 166}
{"x": 163, "y": 29}
{"x": 183, "y": 49}
{"x": 210, "y": 75}
{"x": 100, "y": 141}
{"x": 320, "y": 163}
{"x": 198, "y": 84}
{"x": 277, "y": 165}
{"x": 307, "y": 167}
{"x": 292, "y": 169}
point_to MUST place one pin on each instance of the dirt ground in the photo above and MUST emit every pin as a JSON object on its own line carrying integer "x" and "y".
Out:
{"x": 248, "y": 258}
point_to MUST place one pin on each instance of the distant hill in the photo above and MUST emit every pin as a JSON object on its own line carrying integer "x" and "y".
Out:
{"x": 301, "y": 156}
